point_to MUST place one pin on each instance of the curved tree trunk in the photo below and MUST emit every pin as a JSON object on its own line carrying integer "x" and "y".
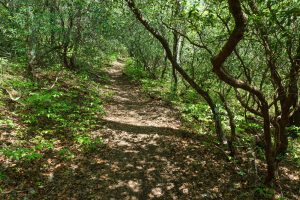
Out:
{"x": 235, "y": 37}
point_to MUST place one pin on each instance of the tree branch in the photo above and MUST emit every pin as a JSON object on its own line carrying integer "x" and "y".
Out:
{"x": 235, "y": 37}
{"x": 189, "y": 39}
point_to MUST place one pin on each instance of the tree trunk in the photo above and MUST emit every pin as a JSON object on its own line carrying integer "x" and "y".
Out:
{"x": 65, "y": 58}
{"x": 231, "y": 141}
{"x": 218, "y": 124}
{"x": 176, "y": 57}
{"x": 235, "y": 37}
{"x": 31, "y": 43}
{"x": 31, "y": 62}
{"x": 269, "y": 154}
{"x": 162, "y": 76}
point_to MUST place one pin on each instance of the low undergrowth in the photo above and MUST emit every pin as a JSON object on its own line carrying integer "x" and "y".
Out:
{"x": 52, "y": 115}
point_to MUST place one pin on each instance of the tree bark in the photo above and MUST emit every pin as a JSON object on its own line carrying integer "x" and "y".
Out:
{"x": 232, "y": 140}
{"x": 31, "y": 44}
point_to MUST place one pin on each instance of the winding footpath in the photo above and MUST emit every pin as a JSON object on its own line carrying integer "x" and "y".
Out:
{"x": 149, "y": 155}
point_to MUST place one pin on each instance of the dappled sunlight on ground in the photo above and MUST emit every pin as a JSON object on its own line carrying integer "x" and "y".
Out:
{"x": 129, "y": 106}
{"x": 146, "y": 155}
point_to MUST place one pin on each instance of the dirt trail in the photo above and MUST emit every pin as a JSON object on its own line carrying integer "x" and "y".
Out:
{"x": 129, "y": 106}
{"x": 148, "y": 154}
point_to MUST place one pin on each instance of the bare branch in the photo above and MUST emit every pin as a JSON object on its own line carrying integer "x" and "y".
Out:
{"x": 189, "y": 39}
{"x": 245, "y": 105}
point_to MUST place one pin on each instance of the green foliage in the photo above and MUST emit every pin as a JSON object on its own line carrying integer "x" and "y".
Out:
{"x": 241, "y": 173}
{"x": 264, "y": 192}
{"x": 21, "y": 153}
{"x": 112, "y": 57}
{"x": 190, "y": 96}
{"x": 66, "y": 153}
{"x": 50, "y": 34}
{"x": 21, "y": 84}
{"x": 2, "y": 176}
{"x": 87, "y": 142}
{"x": 51, "y": 112}
{"x": 294, "y": 130}
{"x": 3, "y": 62}
{"x": 243, "y": 126}
{"x": 38, "y": 145}
{"x": 74, "y": 110}
{"x": 134, "y": 71}
{"x": 43, "y": 144}
{"x": 198, "y": 111}
{"x": 294, "y": 149}
{"x": 8, "y": 123}
{"x": 46, "y": 107}
{"x": 155, "y": 88}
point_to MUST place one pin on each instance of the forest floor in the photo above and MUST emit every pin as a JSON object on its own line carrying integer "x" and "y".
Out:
{"x": 147, "y": 154}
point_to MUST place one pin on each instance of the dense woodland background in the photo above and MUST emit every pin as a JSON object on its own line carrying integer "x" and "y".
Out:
{"x": 229, "y": 68}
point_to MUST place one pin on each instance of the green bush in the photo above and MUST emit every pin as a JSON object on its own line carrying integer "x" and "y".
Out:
{"x": 264, "y": 192}
{"x": 198, "y": 111}
{"x": 21, "y": 153}
{"x": 134, "y": 71}
{"x": 66, "y": 154}
{"x": 54, "y": 109}
{"x": 87, "y": 142}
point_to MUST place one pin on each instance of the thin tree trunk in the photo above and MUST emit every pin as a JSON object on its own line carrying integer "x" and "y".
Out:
{"x": 31, "y": 44}
{"x": 176, "y": 55}
{"x": 269, "y": 154}
{"x": 162, "y": 76}
{"x": 65, "y": 58}
{"x": 217, "y": 121}
{"x": 232, "y": 140}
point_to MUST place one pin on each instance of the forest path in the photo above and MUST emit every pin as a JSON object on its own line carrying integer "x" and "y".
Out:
{"x": 146, "y": 155}
{"x": 149, "y": 156}
{"x": 129, "y": 106}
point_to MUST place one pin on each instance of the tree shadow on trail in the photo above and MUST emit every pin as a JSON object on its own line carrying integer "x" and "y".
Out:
{"x": 157, "y": 168}
{"x": 137, "y": 129}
